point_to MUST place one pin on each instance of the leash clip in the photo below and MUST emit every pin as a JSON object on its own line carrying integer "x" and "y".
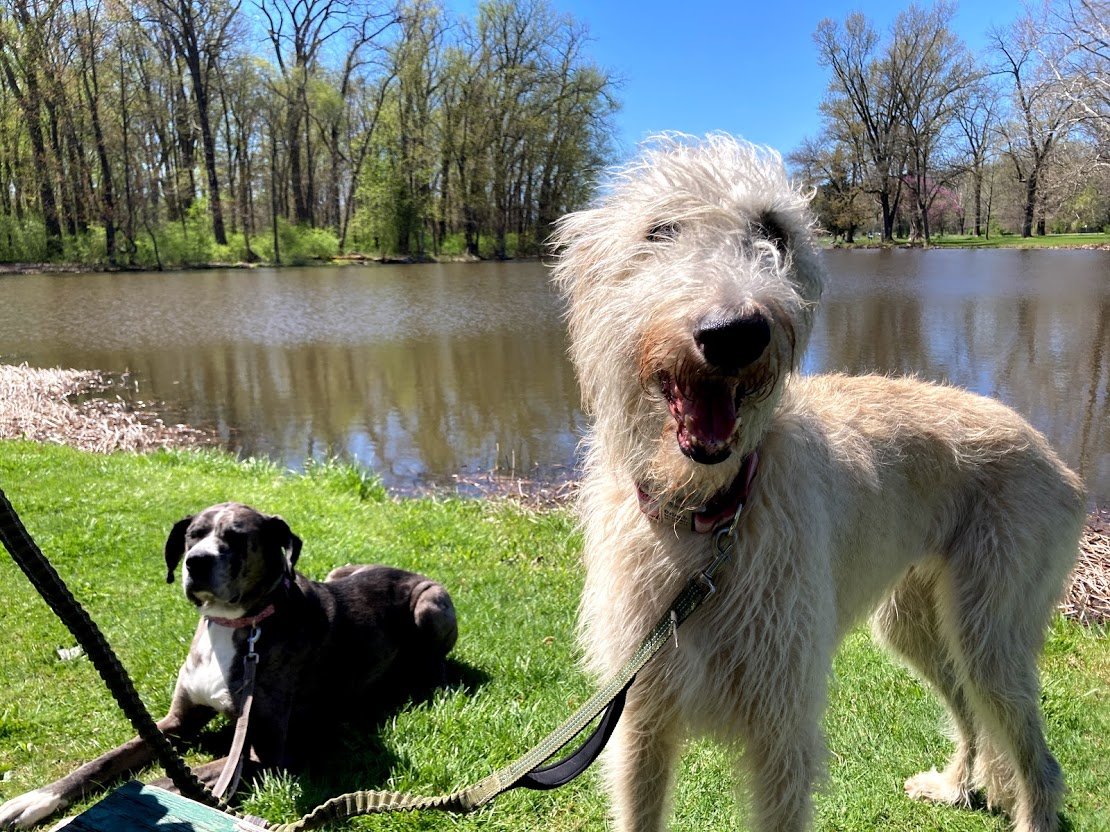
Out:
{"x": 722, "y": 542}
{"x": 252, "y": 639}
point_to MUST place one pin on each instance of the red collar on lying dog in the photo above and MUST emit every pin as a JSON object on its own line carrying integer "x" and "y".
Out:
{"x": 248, "y": 621}
{"x": 251, "y": 620}
{"x": 718, "y": 512}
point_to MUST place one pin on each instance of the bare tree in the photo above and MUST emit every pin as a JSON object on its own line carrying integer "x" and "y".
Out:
{"x": 91, "y": 38}
{"x": 834, "y": 171}
{"x": 865, "y": 98}
{"x": 22, "y": 48}
{"x": 299, "y": 30}
{"x": 976, "y": 114}
{"x": 1077, "y": 51}
{"x": 201, "y": 32}
{"x": 1042, "y": 112}
{"x": 938, "y": 68}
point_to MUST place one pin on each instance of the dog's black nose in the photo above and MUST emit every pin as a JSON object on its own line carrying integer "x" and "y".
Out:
{"x": 199, "y": 567}
{"x": 731, "y": 341}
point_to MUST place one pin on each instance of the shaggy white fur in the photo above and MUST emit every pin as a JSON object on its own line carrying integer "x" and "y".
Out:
{"x": 692, "y": 288}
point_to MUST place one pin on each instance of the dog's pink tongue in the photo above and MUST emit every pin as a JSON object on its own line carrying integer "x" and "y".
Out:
{"x": 706, "y": 416}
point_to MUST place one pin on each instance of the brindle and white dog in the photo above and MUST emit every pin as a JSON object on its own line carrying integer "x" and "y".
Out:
{"x": 692, "y": 289}
{"x": 330, "y": 648}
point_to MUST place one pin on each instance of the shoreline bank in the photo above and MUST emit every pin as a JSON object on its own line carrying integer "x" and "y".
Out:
{"x": 1097, "y": 243}
{"x": 339, "y": 261}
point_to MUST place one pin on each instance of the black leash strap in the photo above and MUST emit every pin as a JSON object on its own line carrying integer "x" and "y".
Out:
{"x": 58, "y": 597}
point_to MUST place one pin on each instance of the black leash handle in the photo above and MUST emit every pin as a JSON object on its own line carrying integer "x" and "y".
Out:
{"x": 50, "y": 586}
{"x": 543, "y": 778}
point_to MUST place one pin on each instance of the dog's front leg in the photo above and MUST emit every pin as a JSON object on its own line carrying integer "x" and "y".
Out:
{"x": 270, "y": 743}
{"x": 784, "y": 751}
{"x": 783, "y": 771}
{"x": 183, "y": 721}
{"x": 639, "y": 765}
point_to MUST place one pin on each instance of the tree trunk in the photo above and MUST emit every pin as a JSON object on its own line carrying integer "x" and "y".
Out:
{"x": 978, "y": 181}
{"x": 215, "y": 207}
{"x": 1030, "y": 206}
{"x": 888, "y": 217}
{"x": 208, "y": 140}
{"x": 274, "y": 197}
{"x": 27, "y": 96}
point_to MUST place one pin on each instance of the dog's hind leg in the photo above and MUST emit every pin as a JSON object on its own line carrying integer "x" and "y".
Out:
{"x": 908, "y": 624}
{"x": 995, "y": 602}
{"x": 640, "y": 761}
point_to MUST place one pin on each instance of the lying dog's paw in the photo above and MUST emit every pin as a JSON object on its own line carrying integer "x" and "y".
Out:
{"x": 29, "y": 808}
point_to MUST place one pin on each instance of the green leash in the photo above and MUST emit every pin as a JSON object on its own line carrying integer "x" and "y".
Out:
{"x": 526, "y": 772}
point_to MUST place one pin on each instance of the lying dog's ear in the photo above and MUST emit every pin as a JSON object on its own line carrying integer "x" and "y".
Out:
{"x": 278, "y": 533}
{"x": 175, "y": 546}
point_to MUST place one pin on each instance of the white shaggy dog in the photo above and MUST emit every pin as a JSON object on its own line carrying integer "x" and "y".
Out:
{"x": 692, "y": 288}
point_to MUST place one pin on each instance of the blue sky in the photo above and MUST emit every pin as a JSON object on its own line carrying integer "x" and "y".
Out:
{"x": 746, "y": 68}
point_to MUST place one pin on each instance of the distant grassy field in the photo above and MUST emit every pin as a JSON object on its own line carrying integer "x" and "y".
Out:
{"x": 1015, "y": 241}
{"x": 515, "y": 576}
{"x": 995, "y": 241}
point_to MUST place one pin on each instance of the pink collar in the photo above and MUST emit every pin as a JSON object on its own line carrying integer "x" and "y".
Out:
{"x": 251, "y": 620}
{"x": 248, "y": 621}
{"x": 718, "y": 512}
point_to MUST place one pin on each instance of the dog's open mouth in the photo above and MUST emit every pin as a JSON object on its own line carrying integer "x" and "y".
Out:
{"x": 705, "y": 416}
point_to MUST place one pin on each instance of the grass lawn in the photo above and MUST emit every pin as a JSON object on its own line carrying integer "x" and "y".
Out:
{"x": 515, "y": 576}
{"x": 1016, "y": 241}
{"x": 995, "y": 241}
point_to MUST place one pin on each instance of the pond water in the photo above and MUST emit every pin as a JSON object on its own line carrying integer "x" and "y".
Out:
{"x": 424, "y": 372}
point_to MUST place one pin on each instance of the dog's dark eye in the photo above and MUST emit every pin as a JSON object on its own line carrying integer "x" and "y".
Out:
{"x": 197, "y": 532}
{"x": 662, "y": 232}
{"x": 770, "y": 229}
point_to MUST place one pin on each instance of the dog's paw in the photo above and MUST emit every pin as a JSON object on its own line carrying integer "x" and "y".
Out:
{"x": 937, "y": 787}
{"x": 29, "y": 808}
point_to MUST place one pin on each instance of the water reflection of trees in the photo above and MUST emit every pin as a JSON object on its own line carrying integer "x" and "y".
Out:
{"x": 408, "y": 408}
{"x": 461, "y": 367}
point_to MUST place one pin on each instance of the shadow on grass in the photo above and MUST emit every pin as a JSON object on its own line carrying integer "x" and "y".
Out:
{"x": 354, "y": 757}
{"x": 343, "y": 752}
{"x": 978, "y": 803}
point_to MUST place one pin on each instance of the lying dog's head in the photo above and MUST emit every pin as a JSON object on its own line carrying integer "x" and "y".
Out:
{"x": 234, "y": 557}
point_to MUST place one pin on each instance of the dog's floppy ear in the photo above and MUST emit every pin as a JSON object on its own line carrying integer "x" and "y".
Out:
{"x": 175, "y": 546}
{"x": 278, "y": 533}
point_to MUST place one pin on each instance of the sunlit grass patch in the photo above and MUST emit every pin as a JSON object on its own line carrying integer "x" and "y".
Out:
{"x": 515, "y": 575}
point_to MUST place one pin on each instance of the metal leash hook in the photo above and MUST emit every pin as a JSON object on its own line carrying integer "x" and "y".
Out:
{"x": 252, "y": 640}
{"x": 722, "y": 543}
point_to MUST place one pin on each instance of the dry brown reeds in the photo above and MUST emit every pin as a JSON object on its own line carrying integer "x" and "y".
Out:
{"x": 1087, "y": 599}
{"x": 40, "y": 405}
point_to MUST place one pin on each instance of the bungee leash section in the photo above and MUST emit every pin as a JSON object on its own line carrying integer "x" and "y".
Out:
{"x": 528, "y": 771}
